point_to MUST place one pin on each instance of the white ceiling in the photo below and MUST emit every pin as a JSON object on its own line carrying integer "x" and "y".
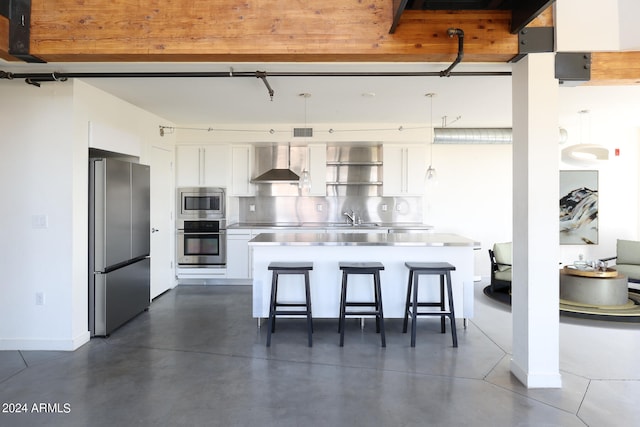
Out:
{"x": 478, "y": 101}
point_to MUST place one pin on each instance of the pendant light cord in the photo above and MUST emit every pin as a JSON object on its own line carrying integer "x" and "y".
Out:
{"x": 432, "y": 129}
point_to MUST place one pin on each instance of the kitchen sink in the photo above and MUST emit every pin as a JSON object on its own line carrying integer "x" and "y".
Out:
{"x": 361, "y": 225}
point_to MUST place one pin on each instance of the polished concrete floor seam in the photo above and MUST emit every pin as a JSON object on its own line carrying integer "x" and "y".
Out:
{"x": 489, "y": 337}
{"x": 299, "y": 362}
{"x": 483, "y": 380}
{"x": 9, "y": 377}
{"x": 462, "y": 379}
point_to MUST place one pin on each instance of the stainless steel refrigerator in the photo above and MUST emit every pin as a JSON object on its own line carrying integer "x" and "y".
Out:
{"x": 119, "y": 241}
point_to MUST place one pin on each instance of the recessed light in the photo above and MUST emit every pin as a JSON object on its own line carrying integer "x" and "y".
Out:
{"x": 369, "y": 94}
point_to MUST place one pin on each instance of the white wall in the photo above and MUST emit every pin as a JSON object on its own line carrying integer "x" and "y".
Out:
{"x": 628, "y": 13}
{"x": 586, "y": 25}
{"x": 473, "y": 196}
{"x": 43, "y": 175}
{"x": 36, "y": 175}
{"x": 618, "y": 193}
{"x": 594, "y": 25}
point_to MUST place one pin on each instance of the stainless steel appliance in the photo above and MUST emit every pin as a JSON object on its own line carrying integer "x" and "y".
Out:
{"x": 119, "y": 243}
{"x": 201, "y": 203}
{"x": 202, "y": 243}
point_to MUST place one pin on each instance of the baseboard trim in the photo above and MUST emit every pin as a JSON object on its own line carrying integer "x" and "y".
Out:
{"x": 45, "y": 344}
{"x": 536, "y": 380}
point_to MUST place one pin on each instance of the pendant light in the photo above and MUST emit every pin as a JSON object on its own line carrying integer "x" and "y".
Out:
{"x": 585, "y": 154}
{"x": 305, "y": 178}
{"x": 431, "y": 176}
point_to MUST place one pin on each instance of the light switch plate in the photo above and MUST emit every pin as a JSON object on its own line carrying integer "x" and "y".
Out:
{"x": 39, "y": 221}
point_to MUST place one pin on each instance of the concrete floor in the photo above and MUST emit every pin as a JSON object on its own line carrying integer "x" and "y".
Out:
{"x": 198, "y": 359}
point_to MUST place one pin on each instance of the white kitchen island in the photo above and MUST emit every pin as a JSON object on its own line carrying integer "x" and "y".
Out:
{"x": 326, "y": 250}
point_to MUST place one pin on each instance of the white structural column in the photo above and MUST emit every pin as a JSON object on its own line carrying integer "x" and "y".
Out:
{"x": 535, "y": 293}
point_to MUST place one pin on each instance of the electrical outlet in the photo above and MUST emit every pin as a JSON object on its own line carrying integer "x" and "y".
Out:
{"x": 39, "y": 298}
{"x": 319, "y": 208}
{"x": 252, "y": 208}
{"x": 384, "y": 207}
{"x": 39, "y": 221}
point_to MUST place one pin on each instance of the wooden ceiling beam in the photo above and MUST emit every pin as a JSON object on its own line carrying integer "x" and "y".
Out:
{"x": 615, "y": 68}
{"x": 4, "y": 39}
{"x": 276, "y": 31}
{"x": 259, "y": 30}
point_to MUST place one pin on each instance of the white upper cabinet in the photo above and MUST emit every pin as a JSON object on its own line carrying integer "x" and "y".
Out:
{"x": 188, "y": 171}
{"x": 216, "y": 165}
{"x": 404, "y": 167}
{"x": 202, "y": 166}
{"x": 241, "y": 167}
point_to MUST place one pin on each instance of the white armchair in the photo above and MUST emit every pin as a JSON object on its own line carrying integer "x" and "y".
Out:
{"x": 627, "y": 259}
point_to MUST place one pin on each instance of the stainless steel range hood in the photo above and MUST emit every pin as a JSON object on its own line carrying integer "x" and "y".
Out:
{"x": 276, "y": 175}
{"x": 278, "y": 159}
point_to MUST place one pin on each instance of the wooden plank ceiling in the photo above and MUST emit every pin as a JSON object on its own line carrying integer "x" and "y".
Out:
{"x": 278, "y": 31}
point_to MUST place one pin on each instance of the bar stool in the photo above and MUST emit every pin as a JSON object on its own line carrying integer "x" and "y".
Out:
{"x": 372, "y": 268}
{"x": 442, "y": 269}
{"x": 277, "y": 269}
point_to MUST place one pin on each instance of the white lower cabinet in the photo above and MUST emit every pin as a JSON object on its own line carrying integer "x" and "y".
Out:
{"x": 238, "y": 254}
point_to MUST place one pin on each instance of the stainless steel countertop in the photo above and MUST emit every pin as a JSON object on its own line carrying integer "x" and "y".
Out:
{"x": 362, "y": 239}
{"x": 333, "y": 225}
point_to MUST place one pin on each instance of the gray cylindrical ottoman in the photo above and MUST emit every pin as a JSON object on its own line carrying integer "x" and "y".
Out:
{"x": 594, "y": 290}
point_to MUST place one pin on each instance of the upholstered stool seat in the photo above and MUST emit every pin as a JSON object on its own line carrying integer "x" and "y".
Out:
{"x": 412, "y": 305}
{"x": 290, "y": 308}
{"x": 360, "y": 307}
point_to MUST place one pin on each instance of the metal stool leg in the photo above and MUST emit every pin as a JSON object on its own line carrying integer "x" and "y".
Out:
{"x": 376, "y": 301}
{"x": 414, "y": 312}
{"x": 407, "y": 303}
{"x": 308, "y": 297}
{"x": 343, "y": 298}
{"x": 271, "y": 325}
{"x": 380, "y": 315}
{"x": 443, "y": 327}
{"x": 452, "y": 315}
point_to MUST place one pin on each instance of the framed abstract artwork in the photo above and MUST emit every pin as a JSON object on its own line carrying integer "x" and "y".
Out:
{"x": 578, "y": 207}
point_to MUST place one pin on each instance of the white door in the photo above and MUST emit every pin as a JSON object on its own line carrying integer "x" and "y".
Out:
{"x": 162, "y": 226}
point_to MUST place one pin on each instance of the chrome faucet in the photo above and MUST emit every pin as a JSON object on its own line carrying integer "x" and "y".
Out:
{"x": 352, "y": 217}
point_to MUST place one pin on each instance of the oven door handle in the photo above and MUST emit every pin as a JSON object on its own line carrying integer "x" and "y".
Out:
{"x": 201, "y": 233}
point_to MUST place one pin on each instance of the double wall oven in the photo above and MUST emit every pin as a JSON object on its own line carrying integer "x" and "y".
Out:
{"x": 201, "y": 228}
